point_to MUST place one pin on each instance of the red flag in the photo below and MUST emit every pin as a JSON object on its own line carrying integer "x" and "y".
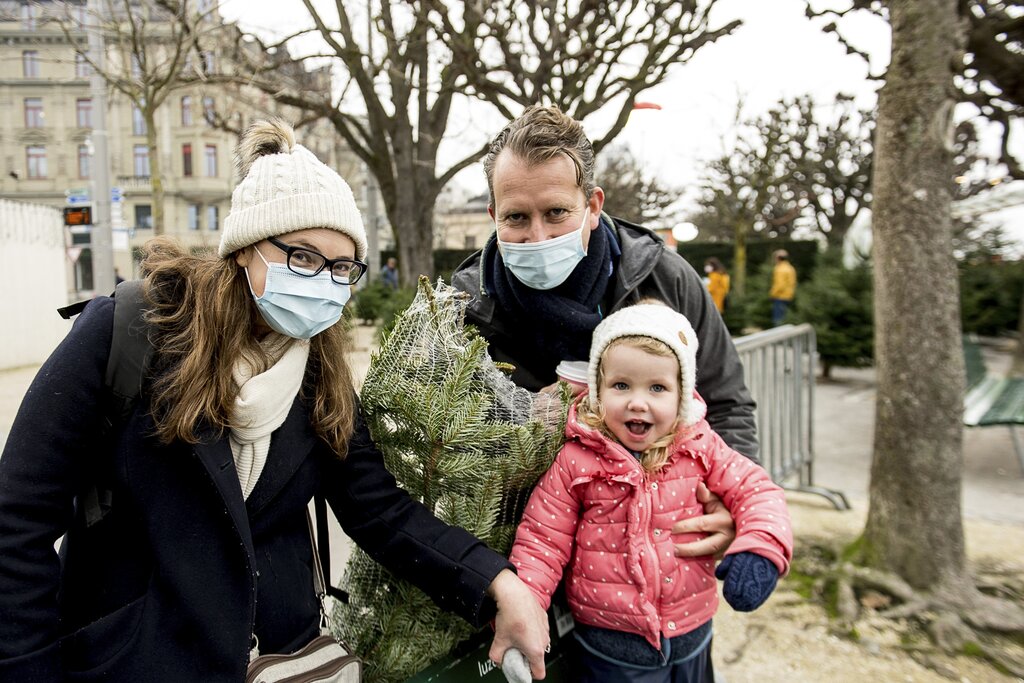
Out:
{"x": 646, "y": 105}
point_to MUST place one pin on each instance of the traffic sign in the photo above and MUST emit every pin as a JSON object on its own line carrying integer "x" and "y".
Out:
{"x": 116, "y": 194}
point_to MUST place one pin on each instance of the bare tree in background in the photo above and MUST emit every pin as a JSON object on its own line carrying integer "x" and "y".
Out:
{"x": 406, "y": 63}
{"x": 990, "y": 67}
{"x": 633, "y": 194}
{"x": 150, "y": 55}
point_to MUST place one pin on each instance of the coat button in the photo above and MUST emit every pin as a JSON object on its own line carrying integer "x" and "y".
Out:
{"x": 657, "y": 532}
{"x": 671, "y": 626}
{"x": 668, "y": 579}
{"x": 654, "y": 486}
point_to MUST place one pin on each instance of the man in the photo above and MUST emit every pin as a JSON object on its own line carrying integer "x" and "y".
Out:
{"x": 557, "y": 265}
{"x": 783, "y": 286}
{"x": 389, "y": 273}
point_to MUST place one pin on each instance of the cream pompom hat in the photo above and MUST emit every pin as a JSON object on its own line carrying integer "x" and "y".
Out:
{"x": 657, "y": 321}
{"x": 285, "y": 188}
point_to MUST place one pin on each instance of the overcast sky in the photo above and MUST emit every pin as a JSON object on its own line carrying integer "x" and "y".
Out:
{"x": 776, "y": 53}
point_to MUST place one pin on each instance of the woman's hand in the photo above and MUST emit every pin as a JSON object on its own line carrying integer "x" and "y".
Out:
{"x": 520, "y": 623}
{"x": 716, "y": 522}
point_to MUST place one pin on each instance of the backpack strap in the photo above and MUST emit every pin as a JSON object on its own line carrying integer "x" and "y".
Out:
{"x": 130, "y": 349}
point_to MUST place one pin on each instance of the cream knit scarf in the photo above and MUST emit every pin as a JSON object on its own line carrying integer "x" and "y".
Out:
{"x": 262, "y": 405}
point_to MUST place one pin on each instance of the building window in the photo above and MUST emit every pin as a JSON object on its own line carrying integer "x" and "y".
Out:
{"x": 186, "y": 110}
{"x": 208, "y": 110}
{"x": 141, "y": 157}
{"x": 29, "y": 14}
{"x": 211, "y": 218}
{"x": 208, "y": 61}
{"x": 35, "y": 157}
{"x": 186, "y": 160}
{"x": 211, "y": 161}
{"x": 34, "y": 112}
{"x": 143, "y": 217}
{"x": 83, "y": 112}
{"x": 82, "y": 68}
{"x": 138, "y": 121}
{"x": 30, "y": 64}
{"x": 193, "y": 216}
{"x": 84, "y": 162}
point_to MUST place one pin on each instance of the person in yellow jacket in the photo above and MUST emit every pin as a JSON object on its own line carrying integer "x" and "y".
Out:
{"x": 783, "y": 286}
{"x": 717, "y": 282}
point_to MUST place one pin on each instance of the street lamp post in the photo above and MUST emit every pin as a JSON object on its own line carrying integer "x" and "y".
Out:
{"x": 101, "y": 240}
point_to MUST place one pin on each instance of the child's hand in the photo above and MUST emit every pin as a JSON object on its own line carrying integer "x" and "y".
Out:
{"x": 749, "y": 580}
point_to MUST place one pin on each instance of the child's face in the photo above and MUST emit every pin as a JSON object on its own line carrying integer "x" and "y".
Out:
{"x": 640, "y": 395}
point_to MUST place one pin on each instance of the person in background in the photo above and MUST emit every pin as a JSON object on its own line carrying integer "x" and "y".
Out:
{"x": 783, "y": 286}
{"x": 637, "y": 449}
{"x": 247, "y": 411}
{"x": 717, "y": 282}
{"x": 389, "y": 273}
{"x": 117, "y": 277}
{"x": 556, "y": 265}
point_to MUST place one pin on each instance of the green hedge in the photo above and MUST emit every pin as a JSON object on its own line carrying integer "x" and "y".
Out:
{"x": 990, "y": 296}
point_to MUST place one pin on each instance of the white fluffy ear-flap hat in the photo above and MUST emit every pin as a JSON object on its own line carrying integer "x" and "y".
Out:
{"x": 660, "y": 322}
{"x": 285, "y": 188}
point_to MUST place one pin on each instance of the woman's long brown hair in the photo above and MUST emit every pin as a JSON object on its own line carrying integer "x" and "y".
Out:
{"x": 203, "y": 321}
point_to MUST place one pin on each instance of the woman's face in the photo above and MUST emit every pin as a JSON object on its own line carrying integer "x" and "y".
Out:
{"x": 329, "y": 243}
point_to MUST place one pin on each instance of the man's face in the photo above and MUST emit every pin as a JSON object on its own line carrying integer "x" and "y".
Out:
{"x": 541, "y": 202}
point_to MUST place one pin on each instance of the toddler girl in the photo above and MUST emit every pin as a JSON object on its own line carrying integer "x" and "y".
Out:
{"x": 637, "y": 450}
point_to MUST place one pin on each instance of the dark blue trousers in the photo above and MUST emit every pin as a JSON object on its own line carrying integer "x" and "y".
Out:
{"x": 596, "y": 669}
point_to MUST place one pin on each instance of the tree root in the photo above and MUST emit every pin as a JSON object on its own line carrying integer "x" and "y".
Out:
{"x": 957, "y": 621}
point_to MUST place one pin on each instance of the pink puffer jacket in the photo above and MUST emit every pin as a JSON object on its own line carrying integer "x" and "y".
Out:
{"x": 597, "y": 511}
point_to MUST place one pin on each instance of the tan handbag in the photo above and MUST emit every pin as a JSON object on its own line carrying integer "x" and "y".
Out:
{"x": 324, "y": 660}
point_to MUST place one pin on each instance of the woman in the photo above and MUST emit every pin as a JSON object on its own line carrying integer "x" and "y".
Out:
{"x": 718, "y": 282}
{"x": 248, "y": 410}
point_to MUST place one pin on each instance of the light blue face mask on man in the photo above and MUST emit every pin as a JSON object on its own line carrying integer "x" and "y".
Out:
{"x": 548, "y": 263}
{"x": 298, "y": 306}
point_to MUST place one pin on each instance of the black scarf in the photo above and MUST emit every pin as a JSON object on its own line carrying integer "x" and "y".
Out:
{"x": 555, "y": 324}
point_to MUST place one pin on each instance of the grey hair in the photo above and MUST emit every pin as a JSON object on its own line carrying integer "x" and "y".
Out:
{"x": 536, "y": 136}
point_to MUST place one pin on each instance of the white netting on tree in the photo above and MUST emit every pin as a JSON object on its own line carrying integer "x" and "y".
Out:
{"x": 461, "y": 438}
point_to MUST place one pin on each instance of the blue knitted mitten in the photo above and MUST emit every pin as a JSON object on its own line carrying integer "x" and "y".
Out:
{"x": 749, "y": 580}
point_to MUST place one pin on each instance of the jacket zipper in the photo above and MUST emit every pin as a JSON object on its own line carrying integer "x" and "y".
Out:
{"x": 648, "y": 527}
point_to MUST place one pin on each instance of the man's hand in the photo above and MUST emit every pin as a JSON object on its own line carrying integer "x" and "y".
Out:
{"x": 716, "y": 522}
{"x": 520, "y": 623}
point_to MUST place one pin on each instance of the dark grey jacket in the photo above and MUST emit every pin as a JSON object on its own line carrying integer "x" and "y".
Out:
{"x": 646, "y": 269}
{"x": 171, "y": 584}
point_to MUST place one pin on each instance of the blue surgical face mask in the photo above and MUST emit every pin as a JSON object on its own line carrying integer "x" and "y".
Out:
{"x": 548, "y": 263}
{"x": 297, "y": 306}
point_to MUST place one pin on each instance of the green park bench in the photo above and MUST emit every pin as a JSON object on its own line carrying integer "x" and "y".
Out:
{"x": 991, "y": 399}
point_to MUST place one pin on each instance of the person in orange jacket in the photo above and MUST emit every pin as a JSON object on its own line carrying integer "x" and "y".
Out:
{"x": 783, "y": 286}
{"x": 717, "y": 282}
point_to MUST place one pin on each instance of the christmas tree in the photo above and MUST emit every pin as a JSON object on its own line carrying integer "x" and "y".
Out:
{"x": 461, "y": 438}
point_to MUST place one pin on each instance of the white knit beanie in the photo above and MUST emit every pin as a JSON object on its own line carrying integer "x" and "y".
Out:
{"x": 285, "y": 188}
{"x": 660, "y": 322}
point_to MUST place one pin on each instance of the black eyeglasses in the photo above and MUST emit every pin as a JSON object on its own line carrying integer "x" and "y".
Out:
{"x": 307, "y": 263}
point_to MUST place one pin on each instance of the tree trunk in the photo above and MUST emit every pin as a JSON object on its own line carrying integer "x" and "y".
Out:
{"x": 914, "y": 525}
{"x": 1017, "y": 369}
{"x": 739, "y": 265}
{"x": 156, "y": 178}
{"x": 413, "y": 227}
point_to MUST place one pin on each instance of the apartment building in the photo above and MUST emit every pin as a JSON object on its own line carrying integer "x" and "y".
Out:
{"x": 47, "y": 153}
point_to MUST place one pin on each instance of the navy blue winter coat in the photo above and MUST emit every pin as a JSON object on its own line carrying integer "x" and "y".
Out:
{"x": 171, "y": 584}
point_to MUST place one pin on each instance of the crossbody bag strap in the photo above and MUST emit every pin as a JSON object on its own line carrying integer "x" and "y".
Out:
{"x": 323, "y": 539}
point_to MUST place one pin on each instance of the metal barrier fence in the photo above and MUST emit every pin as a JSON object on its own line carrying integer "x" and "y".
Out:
{"x": 778, "y": 365}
